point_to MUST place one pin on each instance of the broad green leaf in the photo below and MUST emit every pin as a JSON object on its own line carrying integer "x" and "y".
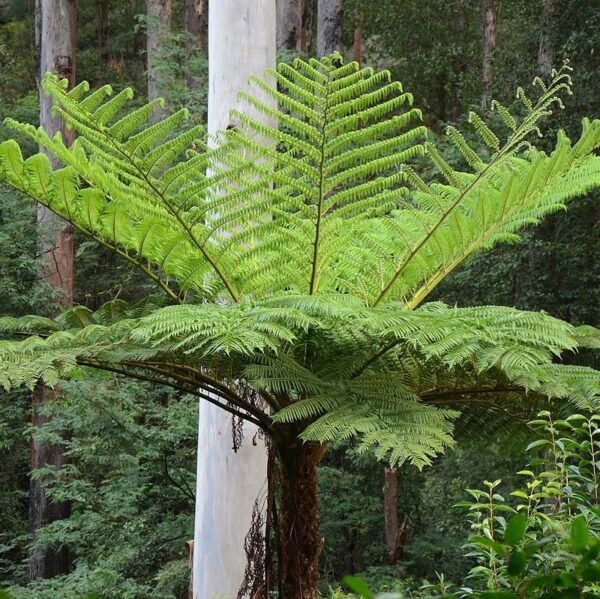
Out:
{"x": 580, "y": 536}
{"x": 359, "y": 586}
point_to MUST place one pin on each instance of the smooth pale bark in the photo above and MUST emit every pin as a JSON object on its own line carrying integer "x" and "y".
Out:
{"x": 159, "y": 22}
{"x": 56, "y": 28}
{"x": 490, "y": 20}
{"x": 545, "y": 48}
{"x": 241, "y": 42}
{"x": 329, "y": 27}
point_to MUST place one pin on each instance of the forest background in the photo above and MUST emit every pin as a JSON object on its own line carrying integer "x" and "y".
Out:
{"x": 129, "y": 477}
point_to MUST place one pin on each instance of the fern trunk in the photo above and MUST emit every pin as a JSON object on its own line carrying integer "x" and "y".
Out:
{"x": 300, "y": 543}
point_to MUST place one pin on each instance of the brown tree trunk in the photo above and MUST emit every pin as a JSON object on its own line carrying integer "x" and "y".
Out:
{"x": 294, "y": 25}
{"x": 357, "y": 50}
{"x": 490, "y": 19}
{"x": 45, "y": 562}
{"x": 300, "y": 541}
{"x": 329, "y": 27}
{"x": 545, "y": 48}
{"x": 102, "y": 7}
{"x": 306, "y": 21}
{"x": 459, "y": 62}
{"x": 395, "y": 533}
{"x": 56, "y": 28}
{"x": 194, "y": 23}
{"x": 159, "y": 23}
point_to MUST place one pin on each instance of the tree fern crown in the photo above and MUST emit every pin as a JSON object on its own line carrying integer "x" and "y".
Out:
{"x": 295, "y": 253}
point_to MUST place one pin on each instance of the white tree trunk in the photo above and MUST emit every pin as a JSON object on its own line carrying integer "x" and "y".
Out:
{"x": 241, "y": 42}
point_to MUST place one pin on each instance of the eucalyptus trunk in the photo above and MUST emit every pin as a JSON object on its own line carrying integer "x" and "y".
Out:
{"x": 546, "y": 48}
{"x": 241, "y": 38}
{"x": 158, "y": 24}
{"x": 56, "y": 28}
{"x": 490, "y": 21}
{"x": 329, "y": 27}
{"x": 294, "y": 25}
{"x": 194, "y": 24}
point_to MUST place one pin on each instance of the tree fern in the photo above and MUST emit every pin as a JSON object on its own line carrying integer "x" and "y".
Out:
{"x": 295, "y": 258}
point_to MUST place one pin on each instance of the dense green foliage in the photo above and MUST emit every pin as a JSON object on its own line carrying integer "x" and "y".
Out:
{"x": 553, "y": 269}
{"x": 131, "y": 455}
{"x": 543, "y": 541}
{"x": 334, "y": 227}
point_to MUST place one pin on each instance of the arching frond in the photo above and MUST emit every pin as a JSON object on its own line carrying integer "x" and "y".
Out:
{"x": 300, "y": 247}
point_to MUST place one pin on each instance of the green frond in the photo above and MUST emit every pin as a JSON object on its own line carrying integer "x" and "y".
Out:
{"x": 299, "y": 248}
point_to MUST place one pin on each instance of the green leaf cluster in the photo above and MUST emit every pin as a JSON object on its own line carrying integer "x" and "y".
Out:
{"x": 297, "y": 251}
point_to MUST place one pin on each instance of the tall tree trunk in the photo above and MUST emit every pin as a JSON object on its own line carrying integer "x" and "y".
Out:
{"x": 306, "y": 22}
{"x": 357, "y": 48}
{"x": 395, "y": 533}
{"x": 102, "y": 8}
{"x": 545, "y": 48}
{"x": 241, "y": 38}
{"x": 194, "y": 24}
{"x": 459, "y": 61}
{"x": 329, "y": 27}
{"x": 159, "y": 23}
{"x": 56, "y": 29}
{"x": 294, "y": 25}
{"x": 490, "y": 18}
{"x": 301, "y": 542}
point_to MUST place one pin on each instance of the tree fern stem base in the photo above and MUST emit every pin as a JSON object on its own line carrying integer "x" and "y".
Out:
{"x": 301, "y": 543}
